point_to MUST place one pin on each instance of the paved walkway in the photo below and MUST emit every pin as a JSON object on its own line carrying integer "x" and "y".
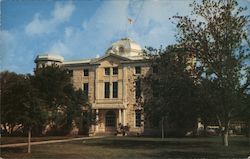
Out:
{"x": 50, "y": 141}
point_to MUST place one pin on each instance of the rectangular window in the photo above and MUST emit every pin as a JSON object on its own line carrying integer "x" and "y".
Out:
{"x": 115, "y": 89}
{"x": 86, "y": 72}
{"x": 137, "y": 70}
{"x": 138, "y": 118}
{"x": 86, "y": 88}
{"x": 138, "y": 88}
{"x": 106, "y": 90}
{"x": 115, "y": 70}
{"x": 107, "y": 71}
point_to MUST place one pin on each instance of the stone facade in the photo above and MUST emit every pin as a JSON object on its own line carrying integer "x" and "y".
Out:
{"x": 126, "y": 65}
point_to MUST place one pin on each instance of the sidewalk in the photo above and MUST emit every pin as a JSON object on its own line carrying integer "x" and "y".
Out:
{"x": 50, "y": 141}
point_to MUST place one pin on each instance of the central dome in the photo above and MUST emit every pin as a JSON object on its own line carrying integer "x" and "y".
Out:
{"x": 125, "y": 47}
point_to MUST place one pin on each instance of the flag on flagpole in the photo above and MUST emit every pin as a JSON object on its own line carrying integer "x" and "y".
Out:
{"x": 130, "y": 21}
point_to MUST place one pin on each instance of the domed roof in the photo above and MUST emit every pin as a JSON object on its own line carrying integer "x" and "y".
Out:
{"x": 125, "y": 47}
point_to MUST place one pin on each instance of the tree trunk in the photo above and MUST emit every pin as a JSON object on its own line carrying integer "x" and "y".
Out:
{"x": 29, "y": 138}
{"x": 220, "y": 125}
{"x": 225, "y": 138}
{"x": 162, "y": 128}
{"x": 225, "y": 133}
{"x": 5, "y": 128}
{"x": 11, "y": 128}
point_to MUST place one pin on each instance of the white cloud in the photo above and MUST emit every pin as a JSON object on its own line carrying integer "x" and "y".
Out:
{"x": 153, "y": 27}
{"x": 59, "y": 48}
{"x": 61, "y": 13}
{"x": 84, "y": 25}
{"x": 109, "y": 23}
{"x": 68, "y": 32}
{"x": 16, "y": 55}
{"x": 96, "y": 33}
{"x": 7, "y": 44}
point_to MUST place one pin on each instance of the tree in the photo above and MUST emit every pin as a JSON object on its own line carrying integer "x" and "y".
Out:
{"x": 206, "y": 102}
{"x": 219, "y": 39}
{"x": 77, "y": 108}
{"x": 64, "y": 103}
{"x": 171, "y": 90}
{"x": 21, "y": 106}
{"x": 9, "y": 109}
{"x": 20, "y": 103}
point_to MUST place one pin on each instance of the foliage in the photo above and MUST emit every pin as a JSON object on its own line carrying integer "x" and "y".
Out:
{"x": 20, "y": 105}
{"x": 47, "y": 98}
{"x": 64, "y": 104}
{"x": 218, "y": 36}
{"x": 171, "y": 90}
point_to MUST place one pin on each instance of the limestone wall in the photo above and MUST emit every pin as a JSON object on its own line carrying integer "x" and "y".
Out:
{"x": 126, "y": 88}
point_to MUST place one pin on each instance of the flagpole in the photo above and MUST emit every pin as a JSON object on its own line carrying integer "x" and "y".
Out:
{"x": 130, "y": 21}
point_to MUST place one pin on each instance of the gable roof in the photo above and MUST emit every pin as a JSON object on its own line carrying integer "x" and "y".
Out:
{"x": 98, "y": 60}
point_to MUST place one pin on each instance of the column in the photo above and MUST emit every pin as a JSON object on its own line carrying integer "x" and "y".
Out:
{"x": 120, "y": 116}
{"x": 97, "y": 119}
{"x": 124, "y": 85}
{"x": 124, "y": 117}
{"x": 96, "y": 84}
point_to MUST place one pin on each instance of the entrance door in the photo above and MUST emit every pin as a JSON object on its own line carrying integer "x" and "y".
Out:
{"x": 110, "y": 121}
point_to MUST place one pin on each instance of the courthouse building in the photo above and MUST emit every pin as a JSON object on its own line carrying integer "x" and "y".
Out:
{"x": 112, "y": 83}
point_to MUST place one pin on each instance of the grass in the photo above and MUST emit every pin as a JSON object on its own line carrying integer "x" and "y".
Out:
{"x": 136, "y": 147}
{"x": 12, "y": 140}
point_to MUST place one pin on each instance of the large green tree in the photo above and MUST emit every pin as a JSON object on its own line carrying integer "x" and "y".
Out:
{"x": 217, "y": 33}
{"x": 21, "y": 107}
{"x": 48, "y": 97}
{"x": 63, "y": 102}
{"x": 171, "y": 91}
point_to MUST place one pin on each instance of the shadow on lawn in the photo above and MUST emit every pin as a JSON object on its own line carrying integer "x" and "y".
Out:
{"x": 180, "y": 154}
{"x": 146, "y": 144}
{"x": 13, "y": 150}
{"x": 193, "y": 148}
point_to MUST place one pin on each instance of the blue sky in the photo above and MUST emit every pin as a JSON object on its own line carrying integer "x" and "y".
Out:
{"x": 82, "y": 28}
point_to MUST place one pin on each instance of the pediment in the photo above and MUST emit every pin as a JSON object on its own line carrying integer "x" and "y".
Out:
{"x": 110, "y": 57}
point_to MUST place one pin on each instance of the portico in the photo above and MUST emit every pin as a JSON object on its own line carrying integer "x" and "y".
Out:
{"x": 107, "y": 120}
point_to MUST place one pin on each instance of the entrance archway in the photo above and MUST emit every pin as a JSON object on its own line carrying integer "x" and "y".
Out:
{"x": 110, "y": 120}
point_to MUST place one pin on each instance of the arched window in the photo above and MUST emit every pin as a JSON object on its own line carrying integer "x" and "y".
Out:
{"x": 121, "y": 49}
{"x": 110, "y": 118}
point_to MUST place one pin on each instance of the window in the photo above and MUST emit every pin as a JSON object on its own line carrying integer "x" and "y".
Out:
{"x": 137, "y": 70}
{"x": 86, "y": 72}
{"x": 138, "y": 118}
{"x": 86, "y": 88}
{"x": 115, "y": 70}
{"x": 106, "y": 90}
{"x": 110, "y": 119}
{"x": 138, "y": 88}
{"x": 115, "y": 89}
{"x": 107, "y": 71}
{"x": 121, "y": 49}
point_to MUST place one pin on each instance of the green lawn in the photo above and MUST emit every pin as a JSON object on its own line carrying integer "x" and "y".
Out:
{"x": 11, "y": 140}
{"x": 136, "y": 147}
